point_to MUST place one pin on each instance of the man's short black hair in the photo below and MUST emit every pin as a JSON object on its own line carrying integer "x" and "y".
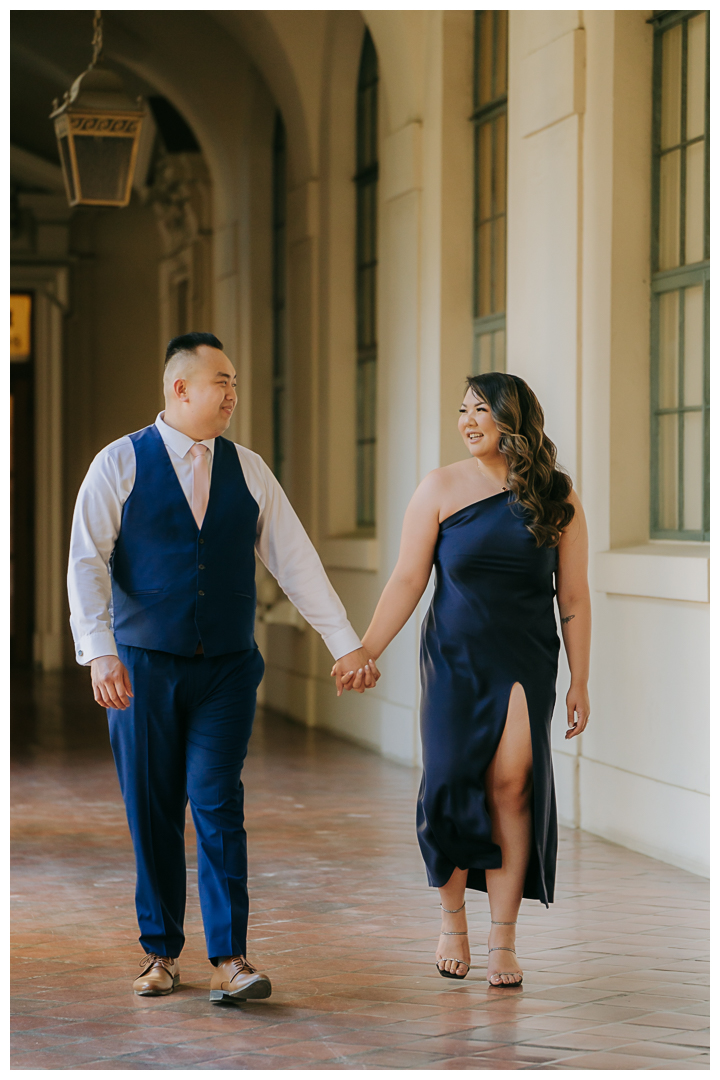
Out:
{"x": 190, "y": 342}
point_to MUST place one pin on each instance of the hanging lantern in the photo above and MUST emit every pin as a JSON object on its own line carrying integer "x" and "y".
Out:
{"x": 98, "y": 130}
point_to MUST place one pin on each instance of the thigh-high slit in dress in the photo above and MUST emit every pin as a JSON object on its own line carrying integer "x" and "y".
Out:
{"x": 491, "y": 624}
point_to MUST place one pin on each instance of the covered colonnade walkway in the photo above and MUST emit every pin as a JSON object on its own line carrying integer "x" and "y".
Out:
{"x": 366, "y": 207}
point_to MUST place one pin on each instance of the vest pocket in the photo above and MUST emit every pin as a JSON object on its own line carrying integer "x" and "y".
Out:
{"x": 145, "y": 592}
{"x": 246, "y": 596}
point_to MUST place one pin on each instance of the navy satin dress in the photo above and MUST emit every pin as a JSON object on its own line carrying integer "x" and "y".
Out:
{"x": 491, "y": 624}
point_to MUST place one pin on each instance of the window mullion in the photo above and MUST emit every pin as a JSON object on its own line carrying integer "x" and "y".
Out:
{"x": 366, "y": 179}
{"x": 681, "y": 411}
{"x": 493, "y": 204}
{"x": 706, "y": 409}
{"x": 706, "y": 192}
{"x": 683, "y": 141}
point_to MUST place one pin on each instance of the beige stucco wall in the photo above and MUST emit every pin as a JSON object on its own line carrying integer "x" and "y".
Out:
{"x": 578, "y": 295}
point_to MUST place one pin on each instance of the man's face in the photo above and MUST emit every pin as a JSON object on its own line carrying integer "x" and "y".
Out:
{"x": 202, "y": 397}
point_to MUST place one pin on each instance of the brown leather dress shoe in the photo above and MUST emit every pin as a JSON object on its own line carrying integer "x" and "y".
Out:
{"x": 160, "y": 975}
{"x": 236, "y": 980}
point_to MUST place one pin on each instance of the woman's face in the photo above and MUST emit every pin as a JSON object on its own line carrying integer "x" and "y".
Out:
{"x": 480, "y": 433}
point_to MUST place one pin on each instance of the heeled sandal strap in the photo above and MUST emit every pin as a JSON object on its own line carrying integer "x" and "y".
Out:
{"x": 455, "y": 933}
{"x": 494, "y": 922}
{"x": 453, "y": 960}
{"x": 453, "y": 911}
{"x": 501, "y": 948}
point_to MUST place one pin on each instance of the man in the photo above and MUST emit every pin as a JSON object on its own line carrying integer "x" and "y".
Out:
{"x": 176, "y": 513}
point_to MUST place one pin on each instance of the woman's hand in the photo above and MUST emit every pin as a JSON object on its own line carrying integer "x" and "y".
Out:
{"x": 355, "y": 671}
{"x": 578, "y": 710}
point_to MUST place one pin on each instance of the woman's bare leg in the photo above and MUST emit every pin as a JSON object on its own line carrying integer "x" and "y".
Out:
{"x": 509, "y": 791}
{"x": 454, "y": 947}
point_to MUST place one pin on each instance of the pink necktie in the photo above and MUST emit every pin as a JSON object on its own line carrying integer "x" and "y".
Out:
{"x": 201, "y": 482}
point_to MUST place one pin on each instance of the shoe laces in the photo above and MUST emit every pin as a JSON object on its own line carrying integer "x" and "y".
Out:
{"x": 240, "y": 964}
{"x": 151, "y": 959}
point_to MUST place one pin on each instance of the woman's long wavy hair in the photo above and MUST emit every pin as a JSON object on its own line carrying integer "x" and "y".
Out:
{"x": 533, "y": 474}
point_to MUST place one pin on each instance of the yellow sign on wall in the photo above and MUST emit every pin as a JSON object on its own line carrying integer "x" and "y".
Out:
{"x": 20, "y": 327}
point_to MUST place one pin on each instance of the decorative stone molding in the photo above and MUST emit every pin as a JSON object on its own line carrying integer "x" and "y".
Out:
{"x": 180, "y": 197}
{"x": 668, "y": 571}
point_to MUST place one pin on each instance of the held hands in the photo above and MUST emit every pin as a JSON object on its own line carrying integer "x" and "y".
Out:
{"x": 355, "y": 671}
{"x": 578, "y": 710}
{"x": 110, "y": 682}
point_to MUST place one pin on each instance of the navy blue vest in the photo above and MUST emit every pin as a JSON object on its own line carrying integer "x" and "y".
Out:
{"x": 174, "y": 585}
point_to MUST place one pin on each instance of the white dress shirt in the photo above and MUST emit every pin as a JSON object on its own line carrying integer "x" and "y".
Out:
{"x": 281, "y": 543}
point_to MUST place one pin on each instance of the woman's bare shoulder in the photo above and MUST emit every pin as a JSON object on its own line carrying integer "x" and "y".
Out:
{"x": 437, "y": 481}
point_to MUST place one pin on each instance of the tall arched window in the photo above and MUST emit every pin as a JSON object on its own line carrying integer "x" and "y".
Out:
{"x": 278, "y": 296}
{"x": 680, "y": 421}
{"x": 490, "y": 121}
{"x": 366, "y": 182}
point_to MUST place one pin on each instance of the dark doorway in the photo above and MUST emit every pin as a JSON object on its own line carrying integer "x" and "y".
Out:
{"x": 22, "y": 480}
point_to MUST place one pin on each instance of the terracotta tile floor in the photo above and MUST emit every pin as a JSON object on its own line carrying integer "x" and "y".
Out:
{"x": 342, "y": 919}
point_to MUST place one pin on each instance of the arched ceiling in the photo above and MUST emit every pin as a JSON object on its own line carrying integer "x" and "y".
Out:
{"x": 193, "y": 58}
{"x": 203, "y": 62}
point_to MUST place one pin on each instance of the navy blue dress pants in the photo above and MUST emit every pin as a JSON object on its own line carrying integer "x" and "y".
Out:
{"x": 185, "y": 737}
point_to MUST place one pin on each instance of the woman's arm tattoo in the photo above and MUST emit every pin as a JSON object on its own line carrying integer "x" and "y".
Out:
{"x": 567, "y": 619}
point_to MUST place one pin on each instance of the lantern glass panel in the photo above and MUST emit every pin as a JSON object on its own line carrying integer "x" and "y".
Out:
{"x": 67, "y": 167}
{"x": 103, "y": 164}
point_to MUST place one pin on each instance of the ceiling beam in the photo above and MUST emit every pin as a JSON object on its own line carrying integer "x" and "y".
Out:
{"x": 35, "y": 171}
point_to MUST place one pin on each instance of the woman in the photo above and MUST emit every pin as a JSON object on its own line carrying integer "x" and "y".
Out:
{"x": 497, "y": 527}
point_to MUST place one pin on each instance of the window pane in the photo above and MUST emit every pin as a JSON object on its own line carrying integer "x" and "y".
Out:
{"x": 366, "y": 485}
{"x": 696, "y": 77}
{"x": 365, "y": 271}
{"x": 279, "y": 346}
{"x": 366, "y": 307}
{"x": 499, "y": 264}
{"x": 499, "y": 350}
{"x": 500, "y": 161}
{"x": 694, "y": 202}
{"x": 485, "y": 167}
{"x": 692, "y": 471}
{"x": 485, "y": 359}
{"x": 668, "y": 304}
{"x": 693, "y": 353}
{"x": 367, "y": 136}
{"x": 366, "y": 194}
{"x": 485, "y": 57}
{"x": 484, "y": 305}
{"x": 669, "y": 251}
{"x": 366, "y": 399}
{"x": 501, "y": 22}
{"x": 671, "y": 87}
{"x": 667, "y": 471}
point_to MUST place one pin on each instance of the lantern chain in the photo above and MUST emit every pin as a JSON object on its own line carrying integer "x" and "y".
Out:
{"x": 97, "y": 42}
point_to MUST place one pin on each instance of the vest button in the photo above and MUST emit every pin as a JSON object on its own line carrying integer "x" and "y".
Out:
{"x": 201, "y": 567}
{"x": 200, "y": 592}
{"x": 201, "y": 541}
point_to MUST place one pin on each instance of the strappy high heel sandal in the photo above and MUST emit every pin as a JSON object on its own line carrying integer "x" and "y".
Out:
{"x": 504, "y": 948}
{"x": 452, "y": 933}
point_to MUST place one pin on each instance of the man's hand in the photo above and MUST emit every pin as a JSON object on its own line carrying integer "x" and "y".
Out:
{"x": 355, "y": 671}
{"x": 111, "y": 682}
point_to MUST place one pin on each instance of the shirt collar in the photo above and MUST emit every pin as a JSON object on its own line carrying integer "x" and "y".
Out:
{"x": 176, "y": 440}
